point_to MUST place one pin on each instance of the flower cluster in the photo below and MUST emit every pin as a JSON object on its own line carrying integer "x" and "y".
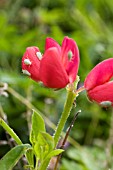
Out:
{"x": 58, "y": 66}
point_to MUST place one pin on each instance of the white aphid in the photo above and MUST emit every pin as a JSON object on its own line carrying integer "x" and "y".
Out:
{"x": 27, "y": 62}
{"x": 26, "y": 72}
{"x": 70, "y": 54}
{"x": 39, "y": 55}
{"x": 106, "y": 103}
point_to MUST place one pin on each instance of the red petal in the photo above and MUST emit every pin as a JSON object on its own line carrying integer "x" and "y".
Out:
{"x": 68, "y": 44}
{"x": 72, "y": 68}
{"x": 52, "y": 72}
{"x": 73, "y": 65}
{"x": 52, "y": 43}
{"x": 100, "y": 74}
{"x": 33, "y": 69}
{"x": 102, "y": 93}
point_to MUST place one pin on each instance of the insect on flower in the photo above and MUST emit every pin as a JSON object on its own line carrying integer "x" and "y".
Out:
{"x": 57, "y": 67}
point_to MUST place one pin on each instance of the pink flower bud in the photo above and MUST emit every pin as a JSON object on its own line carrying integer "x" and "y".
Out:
{"x": 57, "y": 67}
{"x": 97, "y": 83}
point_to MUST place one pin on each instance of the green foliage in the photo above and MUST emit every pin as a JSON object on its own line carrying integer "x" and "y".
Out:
{"x": 44, "y": 145}
{"x": 13, "y": 156}
{"x": 28, "y": 23}
{"x": 49, "y": 156}
{"x": 37, "y": 126}
{"x": 30, "y": 157}
{"x": 85, "y": 159}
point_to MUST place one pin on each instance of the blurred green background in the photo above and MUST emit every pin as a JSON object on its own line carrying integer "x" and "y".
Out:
{"x": 26, "y": 23}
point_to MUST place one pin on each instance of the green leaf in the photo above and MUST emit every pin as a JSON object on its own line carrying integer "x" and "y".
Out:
{"x": 12, "y": 157}
{"x": 55, "y": 153}
{"x": 38, "y": 125}
{"x": 44, "y": 145}
{"x": 49, "y": 156}
{"x": 28, "y": 167}
{"x": 30, "y": 157}
{"x": 48, "y": 139}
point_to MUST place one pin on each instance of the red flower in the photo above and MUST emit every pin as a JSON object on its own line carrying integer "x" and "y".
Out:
{"x": 55, "y": 69}
{"x": 98, "y": 85}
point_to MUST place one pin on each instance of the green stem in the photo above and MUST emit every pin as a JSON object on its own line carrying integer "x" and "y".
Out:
{"x": 12, "y": 134}
{"x": 10, "y": 131}
{"x": 66, "y": 112}
{"x": 37, "y": 167}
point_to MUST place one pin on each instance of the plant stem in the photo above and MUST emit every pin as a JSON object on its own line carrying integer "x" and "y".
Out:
{"x": 65, "y": 138}
{"x": 80, "y": 89}
{"x": 66, "y": 112}
{"x": 36, "y": 167}
{"x": 10, "y": 131}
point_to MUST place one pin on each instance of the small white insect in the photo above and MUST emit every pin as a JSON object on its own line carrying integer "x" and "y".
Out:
{"x": 70, "y": 54}
{"x": 26, "y": 72}
{"x": 106, "y": 104}
{"x": 27, "y": 62}
{"x": 39, "y": 55}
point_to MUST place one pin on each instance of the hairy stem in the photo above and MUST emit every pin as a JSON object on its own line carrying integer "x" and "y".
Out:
{"x": 71, "y": 95}
{"x": 65, "y": 138}
{"x": 65, "y": 115}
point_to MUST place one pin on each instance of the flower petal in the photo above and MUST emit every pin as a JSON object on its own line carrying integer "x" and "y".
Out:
{"x": 68, "y": 44}
{"x": 33, "y": 68}
{"x": 52, "y": 72}
{"x": 72, "y": 68}
{"x": 73, "y": 65}
{"x": 102, "y": 93}
{"x": 100, "y": 74}
{"x": 52, "y": 43}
